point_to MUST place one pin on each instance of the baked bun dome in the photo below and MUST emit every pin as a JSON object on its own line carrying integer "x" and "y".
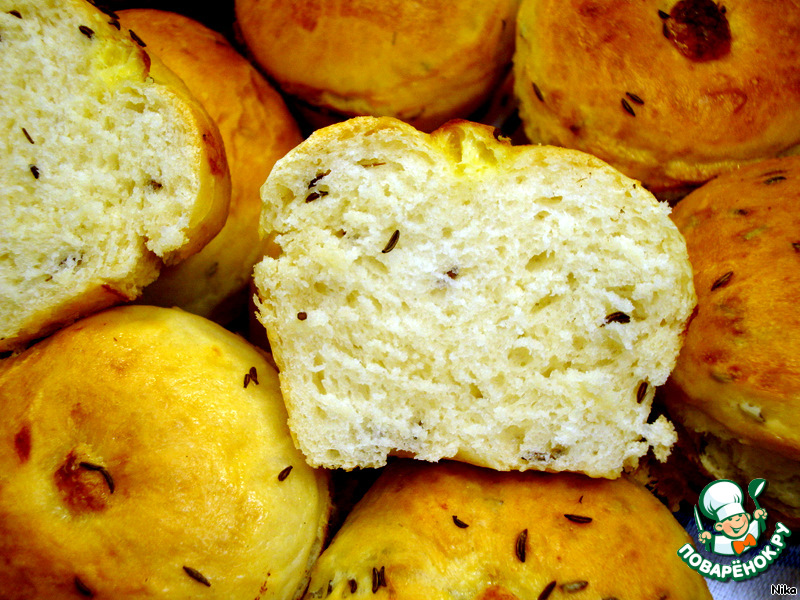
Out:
{"x": 736, "y": 386}
{"x": 145, "y": 454}
{"x": 424, "y": 63}
{"x": 450, "y": 530}
{"x": 671, "y": 93}
{"x": 112, "y": 168}
{"x": 257, "y": 129}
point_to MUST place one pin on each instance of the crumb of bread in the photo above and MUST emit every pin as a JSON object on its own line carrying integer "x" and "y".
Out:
{"x": 100, "y": 178}
{"x": 452, "y": 296}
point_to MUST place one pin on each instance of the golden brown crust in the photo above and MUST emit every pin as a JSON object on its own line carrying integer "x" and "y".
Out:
{"x": 453, "y": 530}
{"x": 142, "y": 446}
{"x": 98, "y": 297}
{"x": 423, "y": 63}
{"x": 616, "y": 79}
{"x": 740, "y": 364}
{"x": 257, "y": 130}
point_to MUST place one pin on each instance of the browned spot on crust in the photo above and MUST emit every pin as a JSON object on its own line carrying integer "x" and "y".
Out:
{"x": 305, "y": 15}
{"x": 262, "y": 590}
{"x": 22, "y": 443}
{"x": 714, "y": 357}
{"x": 216, "y": 157}
{"x": 593, "y": 9}
{"x": 496, "y": 592}
{"x": 119, "y": 295}
{"x": 699, "y": 30}
{"x": 146, "y": 60}
{"x": 730, "y": 100}
{"x": 691, "y": 318}
{"x": 82, "y": 490}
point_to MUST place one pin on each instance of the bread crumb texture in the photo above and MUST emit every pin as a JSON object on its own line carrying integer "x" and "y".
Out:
{"x": 102, "y": 177}
{"x": 449, "y": 295}
{"x": 256, "y": 128}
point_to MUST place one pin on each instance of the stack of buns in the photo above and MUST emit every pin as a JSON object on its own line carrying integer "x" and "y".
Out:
{"x": 145, "y": 450}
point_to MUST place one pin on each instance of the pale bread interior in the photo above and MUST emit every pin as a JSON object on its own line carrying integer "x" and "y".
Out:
{"x": 532, "y": 301}
{"x": 99, "y": 176}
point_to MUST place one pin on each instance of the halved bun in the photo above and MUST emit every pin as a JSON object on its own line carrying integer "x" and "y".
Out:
{"x": 112, "y": 167}
{"x": 453, "y": 296}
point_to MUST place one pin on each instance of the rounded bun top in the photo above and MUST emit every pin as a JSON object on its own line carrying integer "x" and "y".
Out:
{"x": 421, "y": 62}
{"x": 453, "y": 530}
{"x": 740, "y": 363}
{"x": 145, "y": 453}
{"x": 672, "y": 94}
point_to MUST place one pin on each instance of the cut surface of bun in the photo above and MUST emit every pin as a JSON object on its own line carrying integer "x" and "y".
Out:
{"x": 111, "y": 167}
{"x": 257, "y": 130}
{"x": 453, "y": 296}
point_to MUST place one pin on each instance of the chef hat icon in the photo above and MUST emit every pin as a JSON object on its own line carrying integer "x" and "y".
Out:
{"x": 722, "y": 499}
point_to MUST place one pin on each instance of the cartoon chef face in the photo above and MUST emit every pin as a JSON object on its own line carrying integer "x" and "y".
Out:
{"x": 722, "y": 501}
{"x": 734, "y": 526}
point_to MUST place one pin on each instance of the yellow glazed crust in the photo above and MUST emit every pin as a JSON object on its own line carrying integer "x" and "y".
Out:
{"x": 740, "y": 362}
{"x": 424, "y": 63}
{"x": 451, "y": 530}
{"x": 132, "y": 446}
{"x": 689, "y": 119}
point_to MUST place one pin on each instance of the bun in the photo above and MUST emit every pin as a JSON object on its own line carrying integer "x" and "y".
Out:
{"x": 111, "y": 167}
{"x": 137, "y": 464}
{"x": 256, "y": 128}
{"x": 455, "y": 531}
{"x": 672, "y": 99}
{"x": 738, "y": 373}
{"x": 453, "y": 296}
{"x": 422, "y": 63}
